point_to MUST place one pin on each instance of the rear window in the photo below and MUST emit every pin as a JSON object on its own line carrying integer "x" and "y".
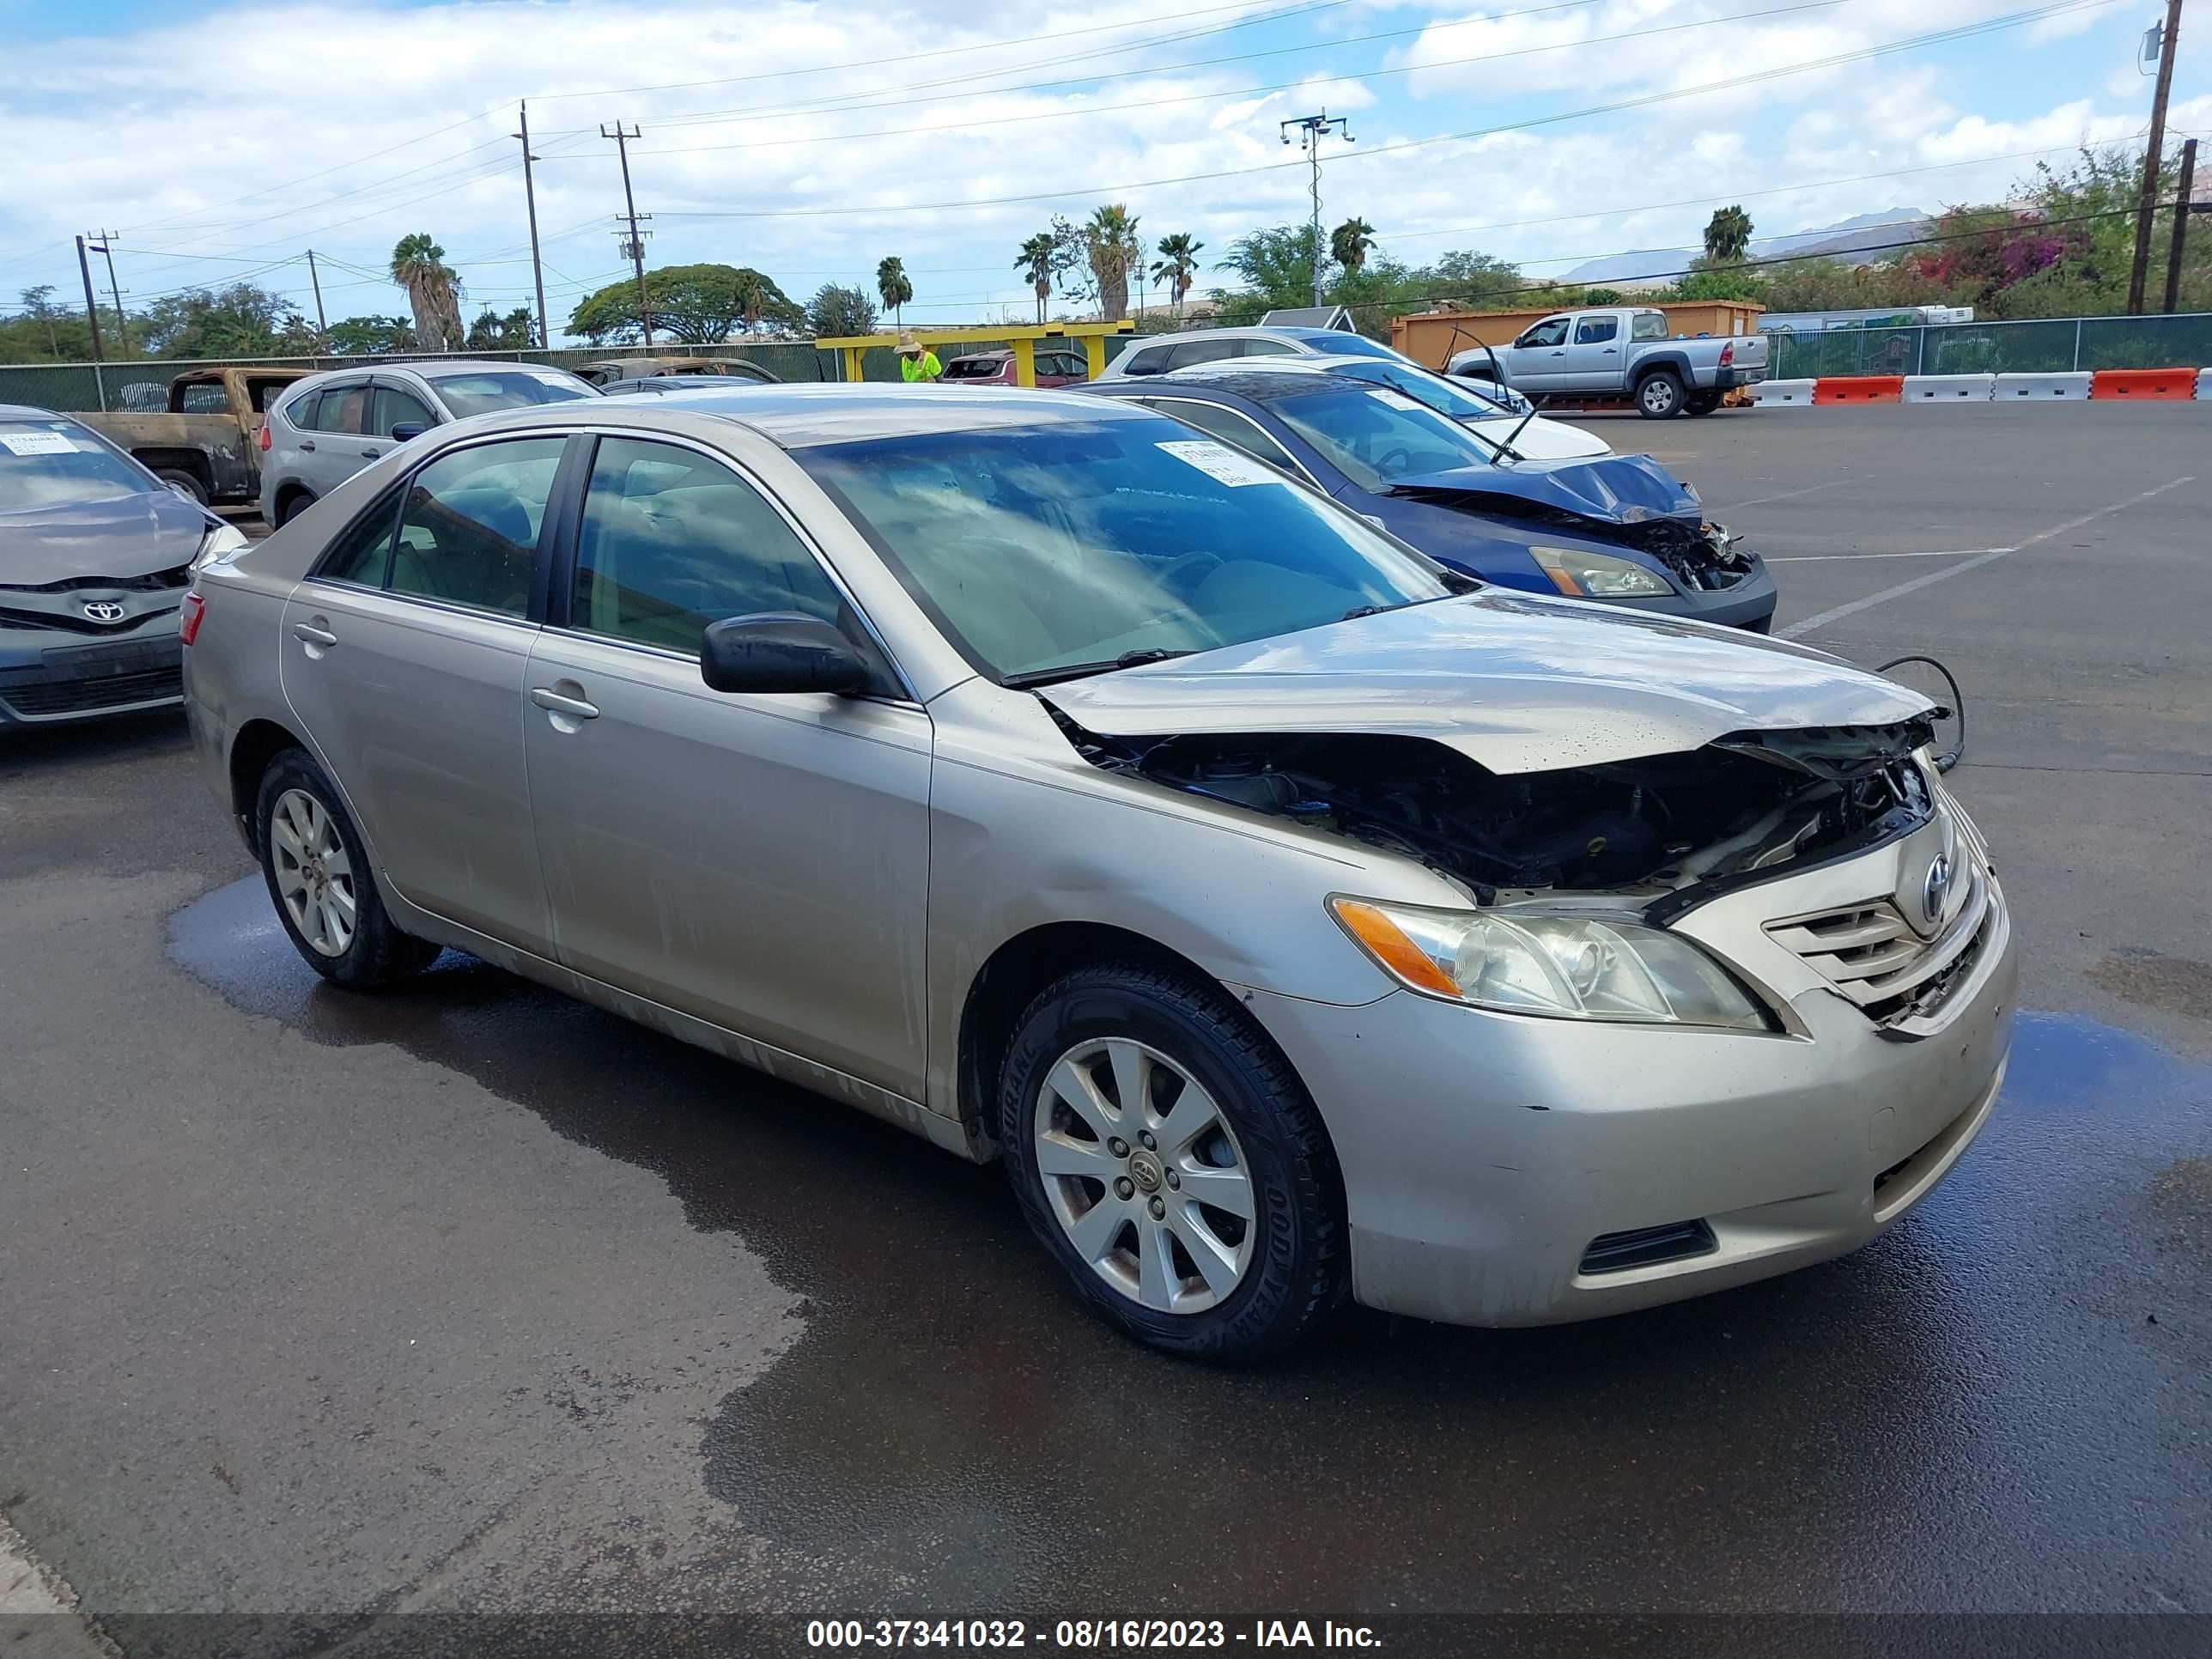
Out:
{"x": 1344, "y": 343}
{"x": 1649, "y": 325}
{"x": 484, "y": 390}
{"x": 973, "y": 368}
{"x": 58, "y": 464}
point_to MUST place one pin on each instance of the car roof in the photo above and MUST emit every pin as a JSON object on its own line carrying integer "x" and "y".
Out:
{"x": 804, "y": 416}
{"x": 441, "y": 368}
{"x": 1277, "y": 383}
{"x": 32, "y": 412}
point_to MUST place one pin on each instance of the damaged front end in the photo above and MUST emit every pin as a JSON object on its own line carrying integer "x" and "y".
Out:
{"x": 1629, "y": 501}
{"x": 1661, "y": 832}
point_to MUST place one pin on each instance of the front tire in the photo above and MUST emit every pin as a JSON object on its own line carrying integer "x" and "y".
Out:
{"x": 1659, "y": 395}
{"x": 321, "y": 883}
{"x": 1169, "y": 1158}
{"x": 185, "y": 483}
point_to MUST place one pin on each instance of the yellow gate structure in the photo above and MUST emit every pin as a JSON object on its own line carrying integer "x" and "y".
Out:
{"x": 1022, "y": 339}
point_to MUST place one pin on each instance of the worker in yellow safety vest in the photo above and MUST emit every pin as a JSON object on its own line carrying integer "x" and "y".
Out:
{"x": 917, "y": 362}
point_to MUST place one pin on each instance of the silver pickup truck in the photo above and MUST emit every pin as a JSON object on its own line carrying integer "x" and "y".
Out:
{"x": 1619, "y": 351}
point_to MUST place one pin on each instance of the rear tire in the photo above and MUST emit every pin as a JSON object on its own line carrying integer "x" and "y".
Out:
{"x": 1702, "y": 403}
{"x": 321, "y": 883}
{"x": 1659, "y": 395}
{"x": 1223, "y": 1116}
{"x": 177, "y": 479}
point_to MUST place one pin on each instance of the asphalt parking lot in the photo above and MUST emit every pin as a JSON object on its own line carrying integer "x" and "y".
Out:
{"x": 470, "y": 1297}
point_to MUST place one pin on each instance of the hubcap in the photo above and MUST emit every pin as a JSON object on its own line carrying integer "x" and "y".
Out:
{"x": 1657, "y": 396}
{"x": 314, "y": 876}
{"x": 1144, "y": 1176}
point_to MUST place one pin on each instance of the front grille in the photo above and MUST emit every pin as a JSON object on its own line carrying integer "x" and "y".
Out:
{"x": 87, "y": 696}
{"x": 1870, "y": 953}
{"x": 72, "y": 622}
{"x": 1643, "y": 1246}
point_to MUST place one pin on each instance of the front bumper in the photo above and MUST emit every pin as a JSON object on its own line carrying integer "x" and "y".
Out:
{"x": 51, "y": 677}
{"x": 1484, "y": 1154}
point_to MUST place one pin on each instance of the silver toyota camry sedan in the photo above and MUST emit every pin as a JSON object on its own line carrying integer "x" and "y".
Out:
{"x": 1296, "y": 919}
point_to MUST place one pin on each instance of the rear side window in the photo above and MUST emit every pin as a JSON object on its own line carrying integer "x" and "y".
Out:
{"x": 1153, "y": 359}
{"x": 344, "y": 409}
{"x": 301, "y": 411}
{"x": 361, "y": 554}
{"x": 1265, "y": 348}
{"x": 208, "y": 398}
{"x": 468, "y": 534}
{"x": 672, "y": 540}
{"x": 1648, "y": 325}
{"x": 1595, "y": 330}
{"x": 1203, "y": 351}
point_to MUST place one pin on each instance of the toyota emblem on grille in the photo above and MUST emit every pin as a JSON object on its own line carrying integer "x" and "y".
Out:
{"x": 1936, "y": 891}
{"x": 104, "y": 610}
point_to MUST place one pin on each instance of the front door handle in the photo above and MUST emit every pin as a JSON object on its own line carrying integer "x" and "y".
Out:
{"x": 308, "y": 634}
{"x": 306, "y": 443}
{"x": 555, "y": 703}
{"x": 374, "y": 454}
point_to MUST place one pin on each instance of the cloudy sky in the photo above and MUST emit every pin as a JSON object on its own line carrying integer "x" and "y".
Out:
{"x": 222, "y": 141}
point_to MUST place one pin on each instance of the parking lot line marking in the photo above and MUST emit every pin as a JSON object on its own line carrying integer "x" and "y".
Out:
{"x": 1819, "y": 558}
{"x": 1798, "y": 630}
{"x": 1786, "y": 496}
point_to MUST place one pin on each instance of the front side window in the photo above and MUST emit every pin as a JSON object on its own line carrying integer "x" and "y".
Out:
{"x": 344, "y": 409}
{"x": 1058, "y": 548}
{"x": 1375, "y": 436}
{"x": 1550, "y": 332}
{"x": 60, "y": 463}
{"x": 672, "y": 540}
{"x": 396, "y": 407}
{"x": 1648, "y": 325}
{"x": 1596, "y": 331}
{"x": 482, "y": 390}
{"x": 468, "y": 531}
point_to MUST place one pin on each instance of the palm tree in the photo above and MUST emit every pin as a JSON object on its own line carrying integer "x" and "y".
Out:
{"x": 433, "y": 292}
{"x": 1348, "y": 244}
{"x": 1178, "y": 265}
{"x": 891, "y": 281}
{"x": 1035, "y": 261}
{"x": 1728, "y": 235}
{"x": 1109, "y": 238}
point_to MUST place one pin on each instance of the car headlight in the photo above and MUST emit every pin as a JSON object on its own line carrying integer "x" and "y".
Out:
{"x": 224, "y": 542}
{"x": 1561, "y": 965}
{"x": 1581, "y": 575}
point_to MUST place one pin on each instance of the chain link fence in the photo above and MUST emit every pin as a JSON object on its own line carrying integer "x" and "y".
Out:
{"x": 2060, "y": 345}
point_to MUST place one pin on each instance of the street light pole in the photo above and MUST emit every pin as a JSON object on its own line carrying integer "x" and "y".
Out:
{"x": 634, "y": 247}
{"x": 102, "y": 243}
{"x": 1312, "y": 130}
{"x": 2139, "y": 272}
{"x": 91, "y": 305}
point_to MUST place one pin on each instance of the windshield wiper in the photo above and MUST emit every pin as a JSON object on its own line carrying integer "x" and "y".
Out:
{"x": 1077, "y": 671}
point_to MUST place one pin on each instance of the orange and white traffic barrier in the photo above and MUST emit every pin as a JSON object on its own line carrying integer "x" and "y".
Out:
{"x": 1859, "y": 389}
{"x": 2164, "y": 385}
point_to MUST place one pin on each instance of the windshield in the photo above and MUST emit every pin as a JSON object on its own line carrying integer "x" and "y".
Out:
{"x": 484, "y": 390}
{"x": 1423, "y": 387}
{"x": 56, "y": 463}
{"x": 1077, "y": 543}
{"x": 1376, "y": 437}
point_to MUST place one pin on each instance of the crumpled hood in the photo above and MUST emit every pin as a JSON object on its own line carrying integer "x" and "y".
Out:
{"x": 1516, "y": 683}
{"x": 1610, "y": 489}
{"x": 121, "y": 536}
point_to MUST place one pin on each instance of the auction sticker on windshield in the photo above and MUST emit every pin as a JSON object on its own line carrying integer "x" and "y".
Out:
{"x": 1396, "y": 400}
{"x": 1220, "y": 462}
{"x": 37, "y": 443}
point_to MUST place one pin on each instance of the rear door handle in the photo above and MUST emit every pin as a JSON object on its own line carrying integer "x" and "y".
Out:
{"x": 308, "y": 634}
{"x": 306, "y": 443}
{"x": 552, "y": 700}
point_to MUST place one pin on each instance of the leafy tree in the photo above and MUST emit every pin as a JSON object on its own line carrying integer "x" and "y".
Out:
{"x": 515, "y": 332}
{"x": 370, "y": 337}
{"x": 1177, "y": 265}
{"x": 434, "y": 291}
{"x": 1276, "y": 265}
{"x": 894, "y": 285}
{"x": 238, "y": 321}
{"x": 695, "y": 304}
{"x": 1604, "y": 296}
{"x": 1476, "y": 281}
{"x": 1350, "y": 243}
{"x": 38, "y": 305}
{"x": 1035, "y": 261}
{"x": 835, "y": 312}
{"x": 1728, "y": 234}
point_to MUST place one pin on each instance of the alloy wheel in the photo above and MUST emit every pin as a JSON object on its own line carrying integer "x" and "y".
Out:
{"x": 1144, "y": 1176}
{"x": 314, "y": 875}
{"x": 1658, "y": 396}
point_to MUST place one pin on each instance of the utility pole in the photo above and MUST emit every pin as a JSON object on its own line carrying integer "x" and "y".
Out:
{"x": 101, "y": 240}
{"x": 91, "y": 305}
{"x": 1313, "y": 128}
{"x": 2140, "y": 270}
{"x": 2182, "y": 210}
{"x": 315, "y": 279}
{"x": 530, "y": 199}
{"x": 635, "y": 247}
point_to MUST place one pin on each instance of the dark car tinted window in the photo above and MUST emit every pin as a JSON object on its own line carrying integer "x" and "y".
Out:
{"x": 344, "y": 409}
{"x": 301, "y": 411}
{"x": 468, "y": 534}
{"x": 394, "y": 406}
{"x": 1203, "y": 351}
{"x": 1264, "y": 349}
{"x": 1153, "y": 359}
{"x": 1596, "y": 331}
{"x": 672, "y": 540}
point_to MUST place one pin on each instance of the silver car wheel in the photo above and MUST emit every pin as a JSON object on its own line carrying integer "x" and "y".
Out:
{"x": 1658, "y": 396}
{"x": 314, "y": 875}
{"x": 1145, "y": 1176}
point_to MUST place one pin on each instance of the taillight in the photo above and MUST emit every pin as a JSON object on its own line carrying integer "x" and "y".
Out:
{"x": 1728, "y": 357}
{"x": 265, "y": 439}
{"x": 188, "y": 617}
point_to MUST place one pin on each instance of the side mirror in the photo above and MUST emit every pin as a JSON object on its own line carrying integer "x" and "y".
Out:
{"x": 407, "y": 429}
{"x": 780, "y": 652}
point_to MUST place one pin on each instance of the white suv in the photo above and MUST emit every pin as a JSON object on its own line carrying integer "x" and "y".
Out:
{"x": 1211, "y": 345}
